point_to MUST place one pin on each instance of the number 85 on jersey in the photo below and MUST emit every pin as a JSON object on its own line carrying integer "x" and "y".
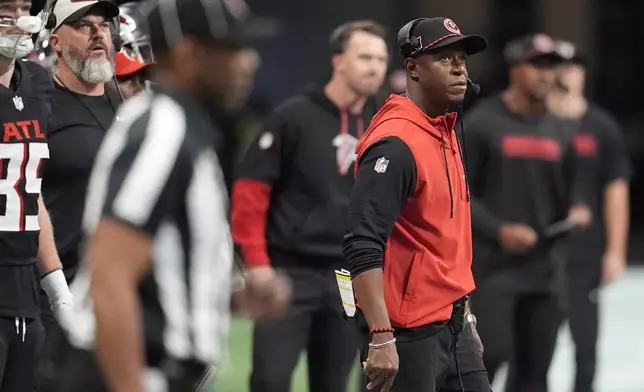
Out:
{"x": 20, "y": 184}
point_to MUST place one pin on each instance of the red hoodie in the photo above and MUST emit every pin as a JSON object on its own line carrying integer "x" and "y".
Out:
{"x": 428, "y": 258}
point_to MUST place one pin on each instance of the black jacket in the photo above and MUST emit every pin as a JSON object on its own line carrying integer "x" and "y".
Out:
{"x": 521, "y": 170}
{"x": 291, "y": 196}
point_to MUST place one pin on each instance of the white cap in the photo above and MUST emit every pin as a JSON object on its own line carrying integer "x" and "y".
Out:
{"x": 71, "y": 10}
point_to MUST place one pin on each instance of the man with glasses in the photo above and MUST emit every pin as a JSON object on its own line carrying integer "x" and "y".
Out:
{"x": 83, "y": 108}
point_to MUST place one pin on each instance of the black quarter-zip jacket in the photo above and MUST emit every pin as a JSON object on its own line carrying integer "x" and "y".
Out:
{"x": 291, "y": 196}
{"x": 521, "y": 170}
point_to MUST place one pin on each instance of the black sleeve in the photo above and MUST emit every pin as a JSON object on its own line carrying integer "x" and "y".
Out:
{"x": 616, "y": 162}
{"x": 271, "y": 149}
{"x": 140, "y": 170}
{"x": 477, "y": 150}
{"x": 386, "y": 178}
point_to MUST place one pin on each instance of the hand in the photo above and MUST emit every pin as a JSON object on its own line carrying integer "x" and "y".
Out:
{"x": 61, "y": 300}
{"x": 517, "y": 238}
{"x": 477, "y": 339}
{"x": 63, "y": 310}
{"x": 581, "y": 215}
{"x": 381, "y": 365}
{"x": 613, "y": 265}
{"x": 267, "y": 293}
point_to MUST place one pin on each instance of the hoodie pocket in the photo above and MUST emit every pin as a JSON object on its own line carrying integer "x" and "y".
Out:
{"x": 411, "y": 283}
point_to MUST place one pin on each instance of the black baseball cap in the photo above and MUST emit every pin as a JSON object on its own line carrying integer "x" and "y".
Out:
{"x": 531, "y": 48}
{"x": 570, "y": 52}
{"x": 428, "y": 34}
{"x": 224, "y": 21}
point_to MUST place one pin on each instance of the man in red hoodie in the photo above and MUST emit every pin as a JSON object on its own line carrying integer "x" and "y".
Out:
{"x": 408, "y": 242}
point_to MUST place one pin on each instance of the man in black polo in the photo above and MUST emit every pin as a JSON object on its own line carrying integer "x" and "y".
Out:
{"x": 521, "y": 169}
{"x": 83, "y": 108}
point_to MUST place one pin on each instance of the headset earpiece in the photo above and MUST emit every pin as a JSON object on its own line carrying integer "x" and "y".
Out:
{"x": 48, "y": 8}
{"x": 115, "y": 32}
{"x": 410, "y": 44}
{"x": 51, "y": 21}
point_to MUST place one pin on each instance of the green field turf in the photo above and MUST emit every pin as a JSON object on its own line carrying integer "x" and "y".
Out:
{"x": 234, "y": 377}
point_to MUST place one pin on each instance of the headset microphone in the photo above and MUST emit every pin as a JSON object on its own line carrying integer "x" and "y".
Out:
{"x": 475, "y": 87}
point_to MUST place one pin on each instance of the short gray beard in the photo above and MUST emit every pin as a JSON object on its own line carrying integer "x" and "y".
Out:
{"x": 87, "y": 70}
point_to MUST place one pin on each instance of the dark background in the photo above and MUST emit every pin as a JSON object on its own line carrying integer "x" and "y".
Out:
{"x": 610, "y": 32}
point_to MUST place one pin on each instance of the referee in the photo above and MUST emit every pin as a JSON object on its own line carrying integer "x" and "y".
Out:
{"x": 156, "y": 217}
{"x": 409, "y": 240}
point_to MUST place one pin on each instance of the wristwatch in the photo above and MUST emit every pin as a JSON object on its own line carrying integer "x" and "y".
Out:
{"x": 471, "y": 319}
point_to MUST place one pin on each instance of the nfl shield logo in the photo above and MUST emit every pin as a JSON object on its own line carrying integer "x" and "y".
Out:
{"x": 381, "y": 165}
{"x": 17, "y": 101}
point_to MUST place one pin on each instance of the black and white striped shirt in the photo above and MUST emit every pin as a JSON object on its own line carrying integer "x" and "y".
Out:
{"x": 157, "y": 170}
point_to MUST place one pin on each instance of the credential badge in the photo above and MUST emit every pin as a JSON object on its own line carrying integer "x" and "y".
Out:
{"x": 381, "y": 165}
{"x": 17, "y": 101}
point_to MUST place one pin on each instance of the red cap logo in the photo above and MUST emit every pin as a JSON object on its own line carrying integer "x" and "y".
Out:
{"x": 451, "y": 26}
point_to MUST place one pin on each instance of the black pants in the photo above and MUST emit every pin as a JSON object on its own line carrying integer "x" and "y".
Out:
{"x": 21, "y": 342}
{"x": 54, "y": 350}
{"x": 582, "y": 310}
{"x": 520, "y": 328}
{"x": 314, "y": 323}
{"x": 80, "y": 373}
{"x": 428, "y": 361}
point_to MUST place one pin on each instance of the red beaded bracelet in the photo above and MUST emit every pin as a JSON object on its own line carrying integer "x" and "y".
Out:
{"x": 374, "y": 331}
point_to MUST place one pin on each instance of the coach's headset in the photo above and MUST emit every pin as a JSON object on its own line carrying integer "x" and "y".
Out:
{"x": 411, "y": 45}
{"x": 49, "y": 21}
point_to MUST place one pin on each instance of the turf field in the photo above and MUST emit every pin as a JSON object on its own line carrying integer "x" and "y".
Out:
{"x": 234, "y": 377}
{"x": 621, "y": 348}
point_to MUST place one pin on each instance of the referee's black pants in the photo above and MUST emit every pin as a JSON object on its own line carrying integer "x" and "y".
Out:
{"x": 582, "y": 311}
{"x": 315, "y": 323}
{"x": 432, "y": 358}
{"x": 519, "y": 328}
{"x": 80, "y": 373}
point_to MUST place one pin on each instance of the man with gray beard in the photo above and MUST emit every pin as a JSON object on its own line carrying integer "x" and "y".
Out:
{"x": 84, "y": 104}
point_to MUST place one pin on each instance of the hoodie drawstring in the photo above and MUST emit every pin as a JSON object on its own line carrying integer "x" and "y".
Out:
{"x": 449, "y": 179}
{"x": 344, "y": 130}
{"x": 24, "y": 327}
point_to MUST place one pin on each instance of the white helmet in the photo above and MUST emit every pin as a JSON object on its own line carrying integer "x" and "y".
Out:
{"x": 135, "y": 40}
